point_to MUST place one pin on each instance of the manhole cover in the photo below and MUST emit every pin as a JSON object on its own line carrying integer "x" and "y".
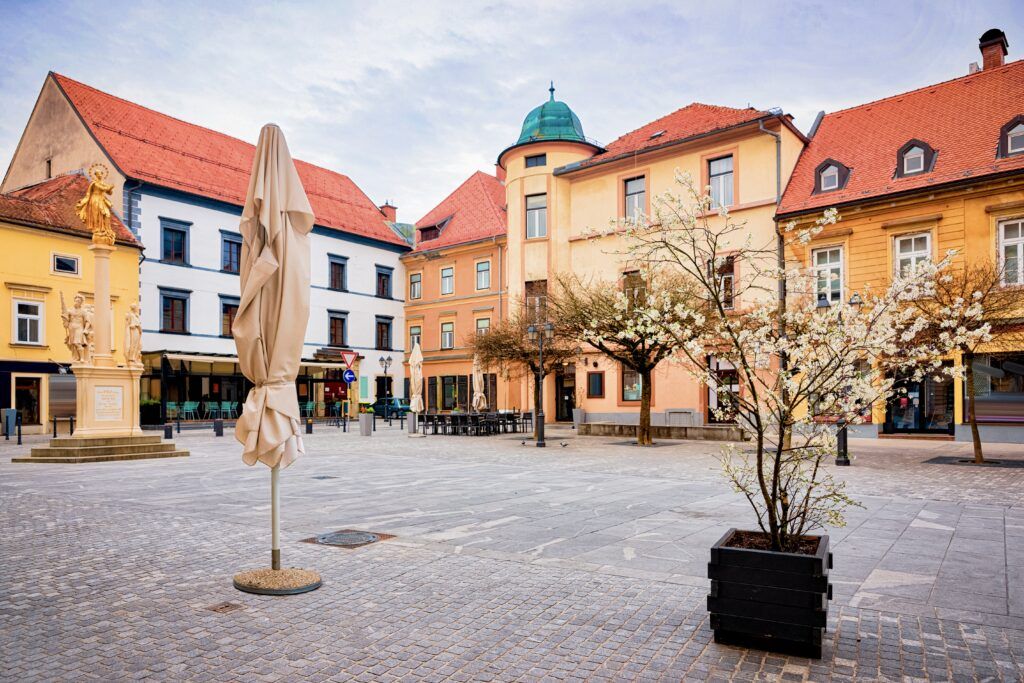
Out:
{"x": 224, "y": 607}
{"x": 348, "y": 538}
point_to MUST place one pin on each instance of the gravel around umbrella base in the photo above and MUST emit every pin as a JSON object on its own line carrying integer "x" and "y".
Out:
{"x": 277, "y": 581}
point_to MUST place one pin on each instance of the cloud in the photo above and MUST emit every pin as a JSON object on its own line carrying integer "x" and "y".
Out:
{"x": 408, "y": 99}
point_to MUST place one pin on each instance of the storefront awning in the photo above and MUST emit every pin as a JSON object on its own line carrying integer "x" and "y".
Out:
{"x": 199, "y": 358}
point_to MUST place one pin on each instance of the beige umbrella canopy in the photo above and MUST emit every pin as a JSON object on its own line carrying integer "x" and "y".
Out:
{"x": 479, "y": 397}
{"x": 271, "y": 320}
{"x": 416, "y": 379}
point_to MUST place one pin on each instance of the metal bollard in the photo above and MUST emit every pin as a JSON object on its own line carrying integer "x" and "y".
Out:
{"x": 19, "y": 428}
{"x": 218, "y": 427}
{"x": 55, "y": 427}
{"x": 309, "y": 425}
{"x": 71, "y": 425}
{"x": 344, "y": 424}
{"x": 168, "y": 430}
{"x": 177, "y": 419}
{"x": 843, "y": 455}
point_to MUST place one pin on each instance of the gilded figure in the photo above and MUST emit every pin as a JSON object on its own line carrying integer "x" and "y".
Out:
{"x": 94, "y": 207}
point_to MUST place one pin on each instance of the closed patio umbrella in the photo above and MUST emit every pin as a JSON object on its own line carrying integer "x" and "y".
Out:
{"x": 269, "y": 328}
{"x": 479, "y": 397}
{"x": 415, "y": 387}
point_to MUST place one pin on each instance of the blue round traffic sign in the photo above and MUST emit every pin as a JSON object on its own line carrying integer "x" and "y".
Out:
{"x": 348, "y": 376}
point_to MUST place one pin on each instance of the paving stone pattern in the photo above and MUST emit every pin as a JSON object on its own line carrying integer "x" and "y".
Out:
{"x": 582, "y": 562}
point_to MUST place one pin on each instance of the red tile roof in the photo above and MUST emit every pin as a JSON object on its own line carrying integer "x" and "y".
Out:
{"x": 475, "y": 210}
{"x": 690, "y": 121}
{"x": 155, "y": 148}
{"x": 51, "y": 205}
{"x": 959, "y": 119}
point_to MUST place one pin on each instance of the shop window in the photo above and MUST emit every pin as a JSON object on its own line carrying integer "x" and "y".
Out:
{"x": 631, "y": 385}
{"x": 999, "y": 387}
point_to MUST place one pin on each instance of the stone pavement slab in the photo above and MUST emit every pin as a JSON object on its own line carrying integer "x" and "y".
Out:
{"x": 583, "y": 562}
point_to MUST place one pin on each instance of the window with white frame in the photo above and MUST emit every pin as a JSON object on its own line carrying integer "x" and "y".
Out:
{"x": 415, "y": 335}
{"x": 483, "y": 275}
{"x": 912, "y": 250}
{"x": 416, "y": 286}
{"x": 447, "y": 335}
{"x": 1011, "y": 251}
{"x": 913, "y": 160}
{"x": 448, "y": 280}
{"x": 636, "y": 196}
{"x": 828, "y": 273}
{"x": 28, "y": 322}
{"x": 720, "y": 178}
{"x": 483, "y": 325}
{"x": 536, "y": 216}
{"x": 1015, "y": 139}
{"x": 65, "y": 265}
{"x": 829, "y": 178}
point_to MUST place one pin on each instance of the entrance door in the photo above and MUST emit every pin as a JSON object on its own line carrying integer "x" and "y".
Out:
{"x": 920, "y": 407}
{"x": 28, "y": 392}
{"x": 384, "y": 387}
{"x": 565, "y": 393}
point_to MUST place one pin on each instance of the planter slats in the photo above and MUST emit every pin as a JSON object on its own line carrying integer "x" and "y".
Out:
{"x": 769, "y": 600}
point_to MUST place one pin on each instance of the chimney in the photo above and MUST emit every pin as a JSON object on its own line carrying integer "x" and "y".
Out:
{"x": 390, "y": 212}
{"x": 993, "y": 48}
{"x": 499, "y": 173}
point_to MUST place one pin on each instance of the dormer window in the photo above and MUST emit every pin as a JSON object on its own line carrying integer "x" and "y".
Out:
{"x": 830, "y": 175}
{"x": 829, "y": 178}
{"x": 914, "y": 158}
{"x": 1011, "y": 137}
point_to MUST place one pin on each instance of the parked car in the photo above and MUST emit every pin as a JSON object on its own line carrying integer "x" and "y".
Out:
{"x": 391, "y": 407}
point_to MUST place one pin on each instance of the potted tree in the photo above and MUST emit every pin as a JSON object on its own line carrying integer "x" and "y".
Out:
{"x": 805, "y": 361}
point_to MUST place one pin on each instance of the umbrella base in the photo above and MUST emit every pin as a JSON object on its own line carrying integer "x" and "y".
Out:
{"x": 290, "y": 581}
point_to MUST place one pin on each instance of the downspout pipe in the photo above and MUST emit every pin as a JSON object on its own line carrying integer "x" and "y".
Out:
{"x": 780, "y": 244}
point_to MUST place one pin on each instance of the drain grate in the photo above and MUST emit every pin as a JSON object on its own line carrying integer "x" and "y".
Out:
{"x": 324, "y": 476}
{"x": 967, "y": 462}
{"x": 224, "y": 607}
{"x": 348, "y": 538}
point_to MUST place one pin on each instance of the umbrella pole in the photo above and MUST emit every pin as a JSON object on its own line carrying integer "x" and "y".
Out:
{"x": 275, "y": 519}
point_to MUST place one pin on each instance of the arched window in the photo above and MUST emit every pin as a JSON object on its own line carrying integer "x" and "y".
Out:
{"x": 914, "y": 158}
{"x": 830, "y": 175}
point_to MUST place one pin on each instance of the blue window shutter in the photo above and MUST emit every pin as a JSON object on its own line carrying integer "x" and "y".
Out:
{"x": 364, "y": 388}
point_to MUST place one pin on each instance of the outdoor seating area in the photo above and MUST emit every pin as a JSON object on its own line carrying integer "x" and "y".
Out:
{"x": 202, "y": 410}
{"x": 475, "y": 424}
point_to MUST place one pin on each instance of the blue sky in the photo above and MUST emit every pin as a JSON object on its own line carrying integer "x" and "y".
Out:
{"x": 410, "y": 98}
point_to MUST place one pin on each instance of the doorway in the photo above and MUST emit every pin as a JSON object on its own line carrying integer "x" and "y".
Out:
{"x": 565, "y": 393}
{"x": 920, "y": 406}
{"x": 28, "y": 395}
{"x": 384, "y": 386}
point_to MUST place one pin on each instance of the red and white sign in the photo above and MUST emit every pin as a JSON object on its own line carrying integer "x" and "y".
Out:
{"x": 349, "y": 357}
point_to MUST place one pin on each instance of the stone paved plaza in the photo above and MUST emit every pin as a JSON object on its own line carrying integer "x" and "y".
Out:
{"x": 579, "y": 562}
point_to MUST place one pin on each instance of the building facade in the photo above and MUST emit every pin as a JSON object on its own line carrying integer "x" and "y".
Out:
{"x": 46, "y": 262}
{"x": 564, "y": 190}
{"x": 914, "y": 176}
{"x": 180, "y": 188}
{"x": 456, "y": 288}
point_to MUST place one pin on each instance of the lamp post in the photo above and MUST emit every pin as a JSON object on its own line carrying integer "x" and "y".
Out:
{"x": 842, "y": 446}
{"x": 385, "y": 363}
{"x": 539, "y": 334}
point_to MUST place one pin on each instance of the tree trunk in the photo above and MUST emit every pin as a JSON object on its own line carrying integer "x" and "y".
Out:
{"x": 972, "y": 415}
{"x": 643, "y": 431}
{"x": 538, "y": 380}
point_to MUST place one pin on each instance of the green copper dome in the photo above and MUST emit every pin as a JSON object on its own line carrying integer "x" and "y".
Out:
{"x": 552, "y": 120}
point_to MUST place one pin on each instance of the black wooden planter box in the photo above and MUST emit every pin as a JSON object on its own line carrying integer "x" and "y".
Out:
{"x": 769, "y": 600}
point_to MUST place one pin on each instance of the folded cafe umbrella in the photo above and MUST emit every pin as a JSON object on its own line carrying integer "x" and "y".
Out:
{"x": 415, "y": 387}
{"x": 268, "y": 329}
{"x": 479, "y": 397}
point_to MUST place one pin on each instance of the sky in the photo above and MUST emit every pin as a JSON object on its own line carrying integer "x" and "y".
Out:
{"x": 410, "y": 98}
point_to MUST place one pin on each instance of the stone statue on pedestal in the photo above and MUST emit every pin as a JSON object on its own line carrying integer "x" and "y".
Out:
{"x": 133, "y": 335}
{"x": 77, "y": 328}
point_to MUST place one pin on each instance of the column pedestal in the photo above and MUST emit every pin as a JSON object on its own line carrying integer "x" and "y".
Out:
{"x": 107, "y": 401}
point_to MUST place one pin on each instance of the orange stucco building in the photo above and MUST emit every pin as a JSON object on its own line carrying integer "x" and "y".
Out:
{"x": 914, "y": 176}
{"x": 456, "y": 287}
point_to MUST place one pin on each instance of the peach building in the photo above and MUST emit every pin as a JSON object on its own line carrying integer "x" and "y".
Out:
{"x": 560, "y": 186}
{"x": 455, "y": 288}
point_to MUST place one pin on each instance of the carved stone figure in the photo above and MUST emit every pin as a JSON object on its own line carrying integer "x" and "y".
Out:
{"x": 94, "y": 207}
{"x": 90, "y": 333}
{"x": 133, "y": 335}
{"x": 77, "y": 328}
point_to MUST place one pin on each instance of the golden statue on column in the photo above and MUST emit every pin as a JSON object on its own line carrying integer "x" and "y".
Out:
{"x": 94, "y": 207}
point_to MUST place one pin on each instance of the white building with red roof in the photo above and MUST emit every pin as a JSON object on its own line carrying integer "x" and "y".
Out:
{"x": 180, "y": 188}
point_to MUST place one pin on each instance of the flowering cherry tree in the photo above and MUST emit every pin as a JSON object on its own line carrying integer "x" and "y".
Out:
{"x": 801, "y": 366}
{"x": 629, "y": 322}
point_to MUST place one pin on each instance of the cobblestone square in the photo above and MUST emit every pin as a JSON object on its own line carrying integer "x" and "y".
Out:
{"x": 583, "y": 561}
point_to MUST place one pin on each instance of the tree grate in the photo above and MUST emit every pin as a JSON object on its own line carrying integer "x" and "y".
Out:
{"x": 225, "y": 607}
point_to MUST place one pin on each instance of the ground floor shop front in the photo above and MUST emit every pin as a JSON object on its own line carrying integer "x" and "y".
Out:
{"x": 39, "y": 392}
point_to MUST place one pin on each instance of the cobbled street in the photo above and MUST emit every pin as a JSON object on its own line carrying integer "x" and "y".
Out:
{"x": 583, "y": 561}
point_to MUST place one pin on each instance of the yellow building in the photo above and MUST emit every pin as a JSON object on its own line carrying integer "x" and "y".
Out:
{"x": 561, "y": 186}
{"x": 913, "y": 176}
{"x": 46, "y": 256}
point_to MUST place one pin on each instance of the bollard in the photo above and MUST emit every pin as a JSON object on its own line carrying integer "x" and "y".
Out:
{"x": 19, "y": 429}
{"x": 168, "y": 431}
{"x": 55, "y": 427}
{"x": 309, "y": 425}
{"x": 177, "y": 418}
{"x": 71, "y": 425}
{"x": 843, "y": 455}
{"x": 344, "y": 424}
{"x": 218, "y": 427}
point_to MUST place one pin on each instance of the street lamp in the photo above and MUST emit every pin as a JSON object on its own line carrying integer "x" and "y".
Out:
{"x": 842, "y": 445}
{"x": 545, "y": 331}
{"x": 385, "y": 363}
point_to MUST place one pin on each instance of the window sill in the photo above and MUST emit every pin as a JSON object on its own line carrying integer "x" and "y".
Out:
{"x": 175, "y": 332}
{"x": 336, "y": 289}
{"x": 229, "y": 272}
{"x": 180, "y": 264}
{"x": 28, "y": 345}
